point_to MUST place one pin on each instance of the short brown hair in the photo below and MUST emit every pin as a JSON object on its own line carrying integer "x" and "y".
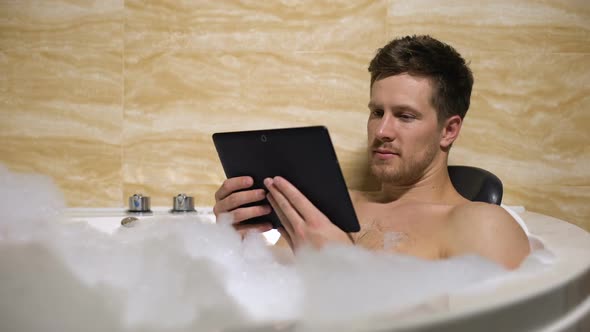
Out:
{"x": 425, "y": 56}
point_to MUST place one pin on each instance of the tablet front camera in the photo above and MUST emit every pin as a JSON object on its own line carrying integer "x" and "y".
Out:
{"x": 263, "y": 138}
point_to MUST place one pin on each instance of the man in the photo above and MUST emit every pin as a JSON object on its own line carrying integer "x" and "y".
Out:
{"x": 420, "y": 93}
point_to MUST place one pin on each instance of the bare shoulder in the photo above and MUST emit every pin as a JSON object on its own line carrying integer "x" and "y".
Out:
{"x": 488, "y": 230}
{"x": 486, "y": 214}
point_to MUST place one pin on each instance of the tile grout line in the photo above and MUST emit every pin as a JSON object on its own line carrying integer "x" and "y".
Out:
{"x": 122, "y": 135}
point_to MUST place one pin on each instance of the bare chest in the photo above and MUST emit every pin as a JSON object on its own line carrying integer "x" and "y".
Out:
{"x": 411, "y": 229}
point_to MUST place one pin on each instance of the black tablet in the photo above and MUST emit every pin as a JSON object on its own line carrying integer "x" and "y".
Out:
{"x": 304, "y": 156}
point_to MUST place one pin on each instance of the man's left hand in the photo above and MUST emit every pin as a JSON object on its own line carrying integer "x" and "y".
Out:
{"x": 303, "y": 224}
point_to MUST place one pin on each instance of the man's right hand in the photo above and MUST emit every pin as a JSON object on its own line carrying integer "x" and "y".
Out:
{"x": 227, "y": 200}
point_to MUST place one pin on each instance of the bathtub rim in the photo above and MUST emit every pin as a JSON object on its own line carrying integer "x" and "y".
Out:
{"x": 515, "y": 307}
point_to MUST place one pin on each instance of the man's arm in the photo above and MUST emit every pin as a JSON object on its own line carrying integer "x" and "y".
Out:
{"x": 487, "y": 230}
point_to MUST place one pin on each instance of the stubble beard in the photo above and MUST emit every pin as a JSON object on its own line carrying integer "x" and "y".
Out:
{"x": 403, "y": 172}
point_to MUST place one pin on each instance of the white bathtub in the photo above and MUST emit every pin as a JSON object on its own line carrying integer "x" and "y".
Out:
{"x": 555, "y": 299}
{"x": 108, "y": 220}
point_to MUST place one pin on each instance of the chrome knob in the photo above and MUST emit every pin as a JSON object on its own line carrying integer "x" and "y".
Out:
{"x": 183, "y": 203}
{"x": 129, "y": 221}
{"x": 139, "y": 203}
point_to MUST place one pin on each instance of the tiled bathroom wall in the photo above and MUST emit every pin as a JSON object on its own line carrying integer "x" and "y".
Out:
{"x": 110, "y": 98}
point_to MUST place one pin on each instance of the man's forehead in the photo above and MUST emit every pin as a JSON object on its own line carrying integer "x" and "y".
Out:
{"x": 402, "y": 85}
{"x": 405, "y": 77}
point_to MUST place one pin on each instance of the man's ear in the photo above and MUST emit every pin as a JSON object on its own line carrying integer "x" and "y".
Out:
{"x": 450, "y": 131}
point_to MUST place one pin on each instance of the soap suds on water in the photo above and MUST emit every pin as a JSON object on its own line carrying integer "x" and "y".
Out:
{"x": 180, "y": 274}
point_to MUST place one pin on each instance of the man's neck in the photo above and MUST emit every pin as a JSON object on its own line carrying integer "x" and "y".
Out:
{"x": 433, "y": 187}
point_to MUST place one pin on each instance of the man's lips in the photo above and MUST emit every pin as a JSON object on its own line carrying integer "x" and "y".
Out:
{"x": 384, "y": 153}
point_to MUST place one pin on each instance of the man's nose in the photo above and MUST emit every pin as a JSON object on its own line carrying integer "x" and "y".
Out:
{"x": 386, "y": 129}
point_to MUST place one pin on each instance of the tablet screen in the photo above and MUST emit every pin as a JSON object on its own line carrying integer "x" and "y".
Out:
{"x": 304, "y": 156}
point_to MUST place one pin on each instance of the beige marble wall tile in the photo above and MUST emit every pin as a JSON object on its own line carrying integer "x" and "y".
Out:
{"x": 61, "y": 23}
{"x": 241, "y": 25}
{"x": 162, "y": 165}
{"x": 176, "y": 100}
{"x": 61, "y": 95}
{"x": 86, "y": 171}
{"x": 61, "y": 116}
{"x": 54, "y": 93}
{"x": 523, "y": 26}
{"x": 529, "y": 112}
{"x": 569, "y": 203}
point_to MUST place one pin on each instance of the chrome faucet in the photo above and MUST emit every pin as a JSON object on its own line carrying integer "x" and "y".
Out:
{"x": 183, "y": 203}
{"x": 139, "y": 204}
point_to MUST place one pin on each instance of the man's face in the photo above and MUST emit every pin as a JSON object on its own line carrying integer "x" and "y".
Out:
{"x": 402, "y": 130}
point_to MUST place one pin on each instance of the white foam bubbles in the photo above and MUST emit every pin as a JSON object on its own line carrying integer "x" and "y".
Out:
{"x": 183, "y": 273}
{"x": 23, "y": 199}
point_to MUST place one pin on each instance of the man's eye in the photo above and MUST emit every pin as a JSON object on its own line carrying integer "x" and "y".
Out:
{"x": 377, "y": 113}
{"x": 407, "y": 117}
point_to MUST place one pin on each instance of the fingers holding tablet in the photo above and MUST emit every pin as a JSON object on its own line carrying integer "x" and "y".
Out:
{"x": 246, "y": 213}
{"x": 229, "y": 199}
{"x": 233, "y": 184}
{"x": 297, "y": 200}
{"x": 237, "y": 199}
{"x": 286, "y": 224}
{"x": 303, "y": 223}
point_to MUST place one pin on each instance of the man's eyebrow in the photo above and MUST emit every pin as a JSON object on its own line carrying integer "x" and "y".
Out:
{"x": 372, "y": 105}
{"x": 406, "y": 108}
